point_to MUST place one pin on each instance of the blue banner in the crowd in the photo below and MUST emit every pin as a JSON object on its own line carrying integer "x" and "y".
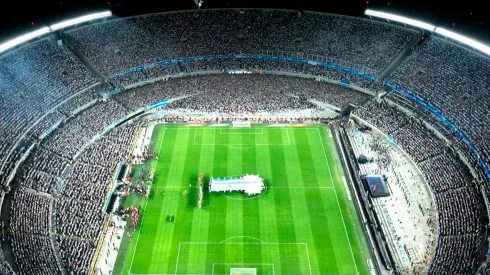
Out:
{"x": 260, "y": 57}
{"x": 157, "y": 104}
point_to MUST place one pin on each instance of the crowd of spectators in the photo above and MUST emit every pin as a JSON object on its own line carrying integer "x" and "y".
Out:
{"x": 76, "y": 197}
{"x": 457, "y": 254}
{"x": 119, "y": 45}
{"x": 452, "y": 175}
{"x": 5, "y": 267}
{"x": 34, "y": 254}
{"x": 68, "y": 140}
{"x": 454, "y": 221}
{"x": 72, "y": 106}
{"x": 76, "y": 254}
{"x": 30, "y": 224}
{"x": 461, "y": 211}
{"x": 79, "y": 218}
{"x": 41, "y": 171}
{"x": 484, "y": 269}
{"x": 34, "y": 79}
{"x": 255, "y": 92}
{"x": 385, "y": 117}
{"x": 454, "y": 80}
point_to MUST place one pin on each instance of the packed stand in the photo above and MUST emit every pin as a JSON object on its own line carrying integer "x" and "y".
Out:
{"x": 5, "y": 267}
{"x": 77, "y": 132}
{"x": 460, "y": 207}
{"x": 242, "y": 94}
{"x": 30, "y": 225}
{"x": 484, "y": 269}
{"x": 454, "y": 80}
{"x": 34, "y": 254}
{"x": 30, "y": 213}
{"x": 457, "y": 254}
{"x": 386, "y": 118}
{"x": 414, "y": 137}
{"x": 41, "y": 171}
{"x": 71, "y": 106}
{"x": 12, "y": 160}
{"x": 119, "y": 45}
{"x": 254, "y": 93}
{"x": 76, "y": 254}
{"x": 73, "y": 217}
{"x": 452, "y": 175}
{"x": 454, "y": 221}
{"x": 33, "y": 79}
{"x": 140, "y": 97}
{"x": 356, "y": 40}
{"x": 44, "y": 125}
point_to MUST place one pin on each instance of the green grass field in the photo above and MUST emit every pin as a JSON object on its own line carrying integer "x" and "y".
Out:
{"x": 303, "y": 224}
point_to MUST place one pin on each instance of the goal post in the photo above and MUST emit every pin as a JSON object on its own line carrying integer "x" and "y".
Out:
{"x": 241, "y": 124}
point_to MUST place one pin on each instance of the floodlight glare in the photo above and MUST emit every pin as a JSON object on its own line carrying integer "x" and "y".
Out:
{"x": 401, "y": 19}
{"x": 465, "y": 40}
{"x": 79, "y": 20}
{"x": 21, "y": 39}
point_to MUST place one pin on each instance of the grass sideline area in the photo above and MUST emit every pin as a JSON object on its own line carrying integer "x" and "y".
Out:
{"x": 303, "y": 223}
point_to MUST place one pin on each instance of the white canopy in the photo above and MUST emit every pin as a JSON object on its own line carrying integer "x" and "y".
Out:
{"x": 250, "y": 184}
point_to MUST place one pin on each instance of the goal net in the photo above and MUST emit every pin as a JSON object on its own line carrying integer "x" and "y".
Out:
{"x": 238, "y": 124}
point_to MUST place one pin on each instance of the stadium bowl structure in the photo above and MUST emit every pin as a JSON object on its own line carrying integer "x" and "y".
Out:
{"x": 72, "y": 105}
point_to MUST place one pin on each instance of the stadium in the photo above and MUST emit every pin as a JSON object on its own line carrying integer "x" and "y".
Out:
{"x": 292, "y": 142}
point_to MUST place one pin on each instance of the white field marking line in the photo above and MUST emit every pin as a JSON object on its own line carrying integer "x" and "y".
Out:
{"x": 177, "y": 263}
{"x": 287, "y": 132}
{"x": 273, "y": 271}
{"x": 241, "y": 243}
{"x": 308, "y": 255}
{"x": 221, "y": 243}
{"x": 245, "y": 133}
{"x": 272, "y": 187}
{"x": 243, "y": 237}
{"x": 337, "y": 198}
{"x": 144, "y": 211}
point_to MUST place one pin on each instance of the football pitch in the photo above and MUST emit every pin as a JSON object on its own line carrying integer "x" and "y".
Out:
{"x": 304, "y": 223}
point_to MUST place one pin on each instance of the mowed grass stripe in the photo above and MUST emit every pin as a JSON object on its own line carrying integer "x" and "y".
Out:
{"x": 200, "y": 223}
{"x": 251, "y": 210}
{"x": 218, "y": 205}
{"x": 234, "y": 217}
{"x": 267, "y": 217}
{"x": 316, "y": 215}
{"x": 188, "y": 203}
{"x": 169, "y": 234}
{"x": 282, "y": 202}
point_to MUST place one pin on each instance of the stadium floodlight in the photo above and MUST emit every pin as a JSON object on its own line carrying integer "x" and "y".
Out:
{"x": 21, "y": 39}
{"x": 80, "y": 19}
{"x": 401, "y": 19}
{"x": 465, "y": 40}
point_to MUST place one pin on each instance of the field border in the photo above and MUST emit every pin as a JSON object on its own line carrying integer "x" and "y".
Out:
{"x": 306, "y": 245}
{"x": 144, "y": 211}
{"x": 337, "y": 198}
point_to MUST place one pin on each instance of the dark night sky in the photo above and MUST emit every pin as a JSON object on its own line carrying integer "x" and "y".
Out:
{"x": 470, "y": 17}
